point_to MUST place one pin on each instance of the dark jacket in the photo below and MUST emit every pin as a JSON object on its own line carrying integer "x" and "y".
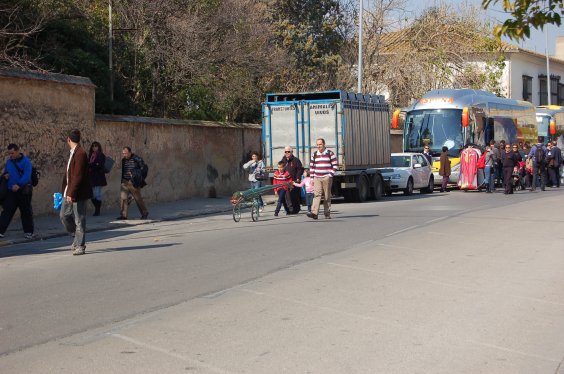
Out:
{"x": 138, "y": 179}
{"x": 444, "y": 168}
{"x": 509, "y": 160}
{"x": 294, "y": 166}
{"x": 96, "y": 170}
{"x": 557, "y": 156}
{"x": 78, "y": 183}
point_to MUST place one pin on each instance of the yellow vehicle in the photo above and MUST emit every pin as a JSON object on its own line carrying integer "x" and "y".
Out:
{"x": 456, "y": 118}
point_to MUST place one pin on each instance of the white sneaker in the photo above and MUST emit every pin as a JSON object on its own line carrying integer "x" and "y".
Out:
{"x": 261, "y": 209}
{"x": 28, "y": 235}
{"x": 1, "y": 235}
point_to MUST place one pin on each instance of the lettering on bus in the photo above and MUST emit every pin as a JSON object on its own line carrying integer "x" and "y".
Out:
{"x": 437, "y": 100}
{"x": 321, "y": 108}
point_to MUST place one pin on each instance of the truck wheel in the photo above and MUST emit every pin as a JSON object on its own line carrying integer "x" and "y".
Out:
{"x": 409, "y": 188}
{"x": 361, "y": 191}
{"x": 378, "y": 190}
{"x": 348, "y": 195}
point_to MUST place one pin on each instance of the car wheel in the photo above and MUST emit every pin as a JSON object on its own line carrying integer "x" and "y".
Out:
{"x": 409, "y": 188}
{"x": 430, "y": 186}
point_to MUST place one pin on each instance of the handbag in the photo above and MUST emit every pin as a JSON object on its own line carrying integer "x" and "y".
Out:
{"x": 108, "y": 164}
{"x": 261, "y": 175}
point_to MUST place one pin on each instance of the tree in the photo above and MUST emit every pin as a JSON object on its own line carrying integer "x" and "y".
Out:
{"x": 526, "y": 14}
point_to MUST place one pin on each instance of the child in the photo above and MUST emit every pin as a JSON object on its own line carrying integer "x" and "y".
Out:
{"x": 308, "y": 183}
{"x": 281, "y": 177}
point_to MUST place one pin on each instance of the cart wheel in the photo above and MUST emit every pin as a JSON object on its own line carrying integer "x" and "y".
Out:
{"x": 237, "y": 213}
{"x": 255, "y": 211}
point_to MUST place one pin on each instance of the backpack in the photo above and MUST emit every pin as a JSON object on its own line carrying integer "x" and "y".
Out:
{"x": 144, "y": 171}
{"x": 482, "y": 161}
{"x": 108, "y": 164}
{"x": 540, "y": 157}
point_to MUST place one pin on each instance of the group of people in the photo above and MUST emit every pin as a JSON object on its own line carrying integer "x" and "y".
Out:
{"x": 291, "y": 176}
{"x": 511, "y": 165}
{"x": 83, "y": 180}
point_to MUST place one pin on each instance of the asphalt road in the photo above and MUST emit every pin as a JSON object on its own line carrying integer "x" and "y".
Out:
{"x": 440, "y": 283}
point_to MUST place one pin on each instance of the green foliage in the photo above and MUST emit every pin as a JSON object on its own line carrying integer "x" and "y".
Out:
{"x": 526, "y": 14}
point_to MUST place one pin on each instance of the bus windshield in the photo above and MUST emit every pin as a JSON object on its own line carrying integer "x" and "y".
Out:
{"x": 436, "y": 128}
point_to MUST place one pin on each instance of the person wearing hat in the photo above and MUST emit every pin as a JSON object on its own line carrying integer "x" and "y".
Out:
{"x": 76, "y": 192}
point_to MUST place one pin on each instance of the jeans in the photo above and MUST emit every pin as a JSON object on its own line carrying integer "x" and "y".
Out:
{"x": 538, "y": 169}
{"x": 309, "y": 200}
{"x": 489, "y": 178}
{"x": 255, "y": 185}
{"x": 73, "y": 217}
{"x": 281, "y": 201}
{"x": 97, "y": 193}
{"x": 12, "y": 202}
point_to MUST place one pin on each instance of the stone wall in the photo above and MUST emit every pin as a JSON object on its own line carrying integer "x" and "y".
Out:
{"x": 185, "y": 158}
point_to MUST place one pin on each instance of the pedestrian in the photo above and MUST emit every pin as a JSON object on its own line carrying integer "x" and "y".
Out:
{"x": 510, "y": 162}
{"x": 133, "y": 174}
{"x": 323, "y": 165}
{"x": 281, "y": 176}
{"x": 489, "y": 170}
{"x": 255, "y": 165}
{"x": 444, "y": 168}
{"x": 97, "y": 174}
{"x": 76, "y": 191}
{"x": 537, "y": 154}
{"x": 293, "y": 165}
{"x": 307, "y": 184}
{"x": 554, "y": 161}
{"x": 17, "y": 173}
{"x": 428, "y": 155}
{"x": 499, "y": 166}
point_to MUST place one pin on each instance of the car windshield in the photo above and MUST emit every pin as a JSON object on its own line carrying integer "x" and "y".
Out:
{"x": 401, "y": 161}
{"x": 435, "y": 128}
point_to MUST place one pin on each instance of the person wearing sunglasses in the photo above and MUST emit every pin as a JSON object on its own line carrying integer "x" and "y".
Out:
{"x": 509, "y": 161}
{"x": 294, "y": 167}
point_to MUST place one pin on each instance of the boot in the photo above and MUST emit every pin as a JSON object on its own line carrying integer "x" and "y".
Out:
{"x": 97, "y": 206}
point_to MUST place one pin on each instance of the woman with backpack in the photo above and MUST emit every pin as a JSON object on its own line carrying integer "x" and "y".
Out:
{"x": 97, "y": 175}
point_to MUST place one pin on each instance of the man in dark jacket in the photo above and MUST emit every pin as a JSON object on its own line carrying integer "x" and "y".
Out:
{"x": 510, "y": 160}
{"x": 554, "y": 166}
{"x": 294, "y": 167}
{"x": 76, "y": 192}
{"x": 133, "y": 174}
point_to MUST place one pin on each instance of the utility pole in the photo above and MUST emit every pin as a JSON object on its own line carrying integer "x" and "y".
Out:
{"x": 547, "y": 64}
{"x": 359, "y": 89}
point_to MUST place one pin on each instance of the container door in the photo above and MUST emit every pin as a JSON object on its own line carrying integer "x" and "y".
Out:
{"x": 323, "y": 119}
{"x": 281, "y": 128}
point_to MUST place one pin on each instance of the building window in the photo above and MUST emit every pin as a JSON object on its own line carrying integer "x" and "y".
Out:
{"x": 560, "y": 94}
{"x": 543, "y": 99}
{"x": 527, "y": 88}
{"x": 554, "y": 80}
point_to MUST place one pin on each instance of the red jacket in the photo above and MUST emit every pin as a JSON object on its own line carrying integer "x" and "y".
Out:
{"x": 281, "y": 178}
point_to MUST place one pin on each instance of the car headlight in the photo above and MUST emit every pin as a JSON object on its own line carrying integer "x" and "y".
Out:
{"x": 395, "y": 176}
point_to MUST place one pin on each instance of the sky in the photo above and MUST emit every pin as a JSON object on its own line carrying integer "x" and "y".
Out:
{"x": 535, "y": 43}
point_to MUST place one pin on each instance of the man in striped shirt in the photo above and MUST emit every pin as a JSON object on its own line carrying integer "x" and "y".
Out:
{"x": 323, "y": 165}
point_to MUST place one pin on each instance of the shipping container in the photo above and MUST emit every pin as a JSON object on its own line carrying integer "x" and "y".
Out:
{"x": 355, "y": 127}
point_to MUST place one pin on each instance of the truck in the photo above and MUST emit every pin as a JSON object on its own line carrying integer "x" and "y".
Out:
{"x": 355, "y": 127}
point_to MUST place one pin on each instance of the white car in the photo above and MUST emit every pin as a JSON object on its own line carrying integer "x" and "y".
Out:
{"x": 409, "y": 171}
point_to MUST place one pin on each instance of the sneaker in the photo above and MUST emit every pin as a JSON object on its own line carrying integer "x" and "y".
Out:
{"x": 1, "y": 236}
{"x": 261, "y": 209}
{"x": 121, "y": 218}
{"x": 327, "y": 216}
{"x": 275, "y": 214}
{"x": 145, "y": 216}
{"x": 311, "y": 215}
{"x": 78, "y": 251}
{"x": 28, "y": 235}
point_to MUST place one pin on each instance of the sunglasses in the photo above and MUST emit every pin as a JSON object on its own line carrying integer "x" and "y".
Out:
{"x": 287, "y": 151}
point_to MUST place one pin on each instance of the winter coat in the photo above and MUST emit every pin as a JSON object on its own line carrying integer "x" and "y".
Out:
{"x": 444, "y": 168}
{"x": 96, "y": 170}
{"x": 78, "y": 184}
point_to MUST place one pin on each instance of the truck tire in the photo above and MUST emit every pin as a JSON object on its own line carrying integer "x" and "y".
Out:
{"x": 348, "y": 195}
{"x": 377, "y": 191}
{"x": 362, "y": 189}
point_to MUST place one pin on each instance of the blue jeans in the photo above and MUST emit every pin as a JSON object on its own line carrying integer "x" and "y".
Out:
{"x": 309, "y": 200}
{"x": 489, "y": 178}
{"x": 97, "y": 192}
{"x": 281, "y": 201}
{"x": 255, "y": 185}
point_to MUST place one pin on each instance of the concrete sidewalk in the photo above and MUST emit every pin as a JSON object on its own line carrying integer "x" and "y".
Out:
{"x": 50, "y": 226}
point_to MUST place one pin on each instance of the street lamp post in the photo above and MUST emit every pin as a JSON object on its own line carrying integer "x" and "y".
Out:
{"x": 110, "y": 62}
{"x": 359, "y": 88}
{"x": 547, "y": 64}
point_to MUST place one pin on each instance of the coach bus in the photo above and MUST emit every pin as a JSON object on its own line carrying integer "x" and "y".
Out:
{"x": 550, "y": 121}
{"x": 458, "y": 117}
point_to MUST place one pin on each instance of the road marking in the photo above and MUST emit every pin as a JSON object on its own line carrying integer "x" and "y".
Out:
{"x": 437, "y": 219}
{"x": 171, "y": 354}
{"x": 506, "y": 349}
{"x": 329, "y": 309}
{"x": 402, "y": 230}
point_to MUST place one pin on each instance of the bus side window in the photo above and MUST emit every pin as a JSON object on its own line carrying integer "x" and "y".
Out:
{"x": 489, "y": 129}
